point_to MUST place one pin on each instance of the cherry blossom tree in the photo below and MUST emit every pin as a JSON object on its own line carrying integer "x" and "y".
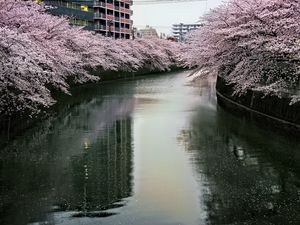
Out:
{"x": 253, "y": 44}
{"x": 40, "y": 53}
{"x": 153, "y": 54}
{"x": 37, "y": 53}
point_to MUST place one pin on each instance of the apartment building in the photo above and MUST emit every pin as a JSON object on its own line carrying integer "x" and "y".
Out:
{"x": 181, "y": 30}
{"x": 148, "y": 32}
{"x": 111, "y": 18}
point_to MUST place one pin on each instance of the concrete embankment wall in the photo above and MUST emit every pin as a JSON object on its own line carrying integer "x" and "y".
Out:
{"x": 267, "y": 111}
{"x": 115, "y": 75}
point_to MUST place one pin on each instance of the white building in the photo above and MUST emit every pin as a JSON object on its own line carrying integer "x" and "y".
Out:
{"x": 181, "y": 30}
{"x": 148, "y": 32}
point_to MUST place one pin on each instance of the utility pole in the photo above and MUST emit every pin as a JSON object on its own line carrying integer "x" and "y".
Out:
{"x": 110, "y": 23}
{"x": 180, "y": 32}
{"x": 133, "y": 33}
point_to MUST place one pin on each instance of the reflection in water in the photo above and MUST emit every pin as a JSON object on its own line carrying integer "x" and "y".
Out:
{"x": 101, "y": 175}
{"x": 79, "y": 162}
{"x": 152, "y": 151}
{"x": 248, "y": 176}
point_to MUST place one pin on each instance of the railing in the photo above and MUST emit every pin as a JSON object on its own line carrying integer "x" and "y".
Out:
{"x": 109, "y": 6}
{"x": 100, "y": 27}
{"x": 110, "y": 17}
{"x": 124, "y": 10}
{"x": 130, "y": 2}
{"x": 124, "y": 20}
{"x": 125, "y": 30}
{"x": 99, "y": 15}
{"x": 99, "y": 4}
{"x": 111, "y": 29}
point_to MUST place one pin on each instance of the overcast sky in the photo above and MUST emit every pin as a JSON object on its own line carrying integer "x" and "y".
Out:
{"x": 162, "y": 16}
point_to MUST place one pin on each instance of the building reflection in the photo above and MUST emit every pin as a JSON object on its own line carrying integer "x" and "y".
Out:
{"x": 101, "y": 177}
{"x": 247, "y": 175}
{"x": 77, "y": 161}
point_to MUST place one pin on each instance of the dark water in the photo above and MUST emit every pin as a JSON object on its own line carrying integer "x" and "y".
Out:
{"x": 152, "y": 151}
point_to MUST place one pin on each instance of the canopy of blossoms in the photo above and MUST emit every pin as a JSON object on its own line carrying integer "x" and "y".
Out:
{"x": 253, "y": 44}
{"x": 40, "y": 53}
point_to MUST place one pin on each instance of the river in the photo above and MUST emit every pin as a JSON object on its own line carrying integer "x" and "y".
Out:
{"x": 155, "y": 150}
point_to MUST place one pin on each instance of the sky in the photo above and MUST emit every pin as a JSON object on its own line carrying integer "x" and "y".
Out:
{"x": 162, "y": 16}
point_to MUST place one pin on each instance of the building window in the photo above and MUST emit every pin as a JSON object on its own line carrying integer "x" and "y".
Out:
{"x": 84, "y": 8}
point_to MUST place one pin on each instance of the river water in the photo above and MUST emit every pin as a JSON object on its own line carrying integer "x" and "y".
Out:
{"x": 151, "y": 151}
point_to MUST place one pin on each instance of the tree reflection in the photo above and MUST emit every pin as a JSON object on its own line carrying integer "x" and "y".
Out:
{"x": 78, "y": 160}
{"x": 248, "y": 175}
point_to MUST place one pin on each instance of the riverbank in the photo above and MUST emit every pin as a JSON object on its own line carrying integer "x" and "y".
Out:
{"x": 268, "y": 111}
{"x": 110, "y": 75}
{"x": 13, "y": 126}
{"x": 48, "y": 55}
{"x": 111, "y": 147}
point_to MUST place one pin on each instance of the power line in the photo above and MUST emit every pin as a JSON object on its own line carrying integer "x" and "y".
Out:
{"x": 151, "y": 2}
{"x": 155, "y": 26}
{"x": 144, "y": 2}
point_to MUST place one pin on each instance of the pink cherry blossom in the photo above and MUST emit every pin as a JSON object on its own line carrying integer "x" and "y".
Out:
{"x": 40, "y": 53}
{"x": 253, "y": 44}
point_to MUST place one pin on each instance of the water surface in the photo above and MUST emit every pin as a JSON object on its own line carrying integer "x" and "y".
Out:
{"x": 151, "y": 151}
